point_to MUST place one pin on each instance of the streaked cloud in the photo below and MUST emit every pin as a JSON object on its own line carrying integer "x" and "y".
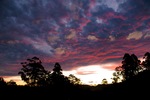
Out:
{"x": 135, "y": 35}
{"x": 147, "y": 34}
{"x": 9, "y": 42}
{"x": 40, "y": 45}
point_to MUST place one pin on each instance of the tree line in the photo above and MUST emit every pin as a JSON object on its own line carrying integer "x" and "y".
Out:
{"x": 33, "y": 72}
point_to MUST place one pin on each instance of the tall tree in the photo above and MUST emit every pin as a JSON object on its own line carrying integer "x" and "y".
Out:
{"x": 58, "y": 79}
{"x": 57, "y": 69}
{"x": 130, "y": 66}
{"x": 33, "y": 72}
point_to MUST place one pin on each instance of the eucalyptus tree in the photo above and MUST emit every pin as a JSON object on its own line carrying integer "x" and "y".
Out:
{"x": 57, "y": 77}
{"x": 130, "y": 67}
{"x": 33, "y": 72}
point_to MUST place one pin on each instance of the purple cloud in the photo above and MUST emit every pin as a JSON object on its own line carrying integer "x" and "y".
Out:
{"x": 72, "y": 32}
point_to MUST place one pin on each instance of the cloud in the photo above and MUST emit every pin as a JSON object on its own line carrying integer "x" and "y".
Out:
{"x": 85, "y": 72}
{"x": 72, "y": 34}
{"x": 9, "y": 42}
{"x": 114, "y": 4}
{"x": 53, "y": 39}
{"x": 60, "y": 51}
{"x": 147, "y": 34}
{"x": 90, "y": 69}
{"x": 100, "y": 21}
{"x": 39, "y": 44}
{"x": 112, "y": 38}
{"x": 92, "y": 38}
{"x": 135, "y": 35}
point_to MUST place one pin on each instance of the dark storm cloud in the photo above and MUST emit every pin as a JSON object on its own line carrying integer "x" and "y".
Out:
{"x": 72, "y": 32}
{"x": 136, "y": 13}
{"x": 101, "y": 10}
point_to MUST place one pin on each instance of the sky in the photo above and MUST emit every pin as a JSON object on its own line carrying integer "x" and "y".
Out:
{"x": 87, "y": 37}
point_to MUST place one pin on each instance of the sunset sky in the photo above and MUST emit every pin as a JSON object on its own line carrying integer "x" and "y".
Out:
{"x": 87, "y": 37}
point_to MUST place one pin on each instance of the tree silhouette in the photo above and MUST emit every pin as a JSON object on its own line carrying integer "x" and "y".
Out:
{"x": 74, "y": 80}
{"x": 139, "y": 84}
{"x": 2, "y": 82}
{"x": 12, "y": 83}
{"x": 146, "y": 62}
{"x": 104, "y": 81}
{"x": 116, "y": 76}
{"x": 57, "y": 76}
{"x": 57, "y": 69}
{"x": 130, "y": 66}
{"x": 33, "y": 72}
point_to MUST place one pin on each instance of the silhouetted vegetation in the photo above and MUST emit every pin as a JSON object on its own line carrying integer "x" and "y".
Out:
{"x": 33, "y": 72}
{"x": 104, "y": 81}
{"x": 130, "y": 80}
{"x": 130, "y": 67}
{"x": 74, "y": 80}
{"x": 12, "y": 83}
{"x": 146, "y": 62}
{"x": 2, "y": 82}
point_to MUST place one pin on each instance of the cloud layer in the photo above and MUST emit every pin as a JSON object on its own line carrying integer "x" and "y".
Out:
{"x": 72, "y": 32}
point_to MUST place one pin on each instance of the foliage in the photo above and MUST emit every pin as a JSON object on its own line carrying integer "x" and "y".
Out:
{"x": 57, "y": 69}
{"x": 12, "y": 83}
{"x": 104, "y": 81}
{"x": 138, "y": 84}
{"x": 146, "y": 62}
{"x": 74, "y": 80}
{"x": 33, "y": 72}
{"x": 57, "y": 76}
{"x": 2, "y": 82}
{"x": 130, "y": 67}
{"x": 117, "y": 75}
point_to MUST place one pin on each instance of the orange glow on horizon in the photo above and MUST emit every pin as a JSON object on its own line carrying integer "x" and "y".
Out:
{"x": 89, "y": 75}
{"x": 17, "y": 79}
{"x": 92, "y": 74}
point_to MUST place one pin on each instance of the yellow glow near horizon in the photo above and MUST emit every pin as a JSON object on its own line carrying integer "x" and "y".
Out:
{"x": 90, "y": 75}
{"x": 17, "y": 79}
